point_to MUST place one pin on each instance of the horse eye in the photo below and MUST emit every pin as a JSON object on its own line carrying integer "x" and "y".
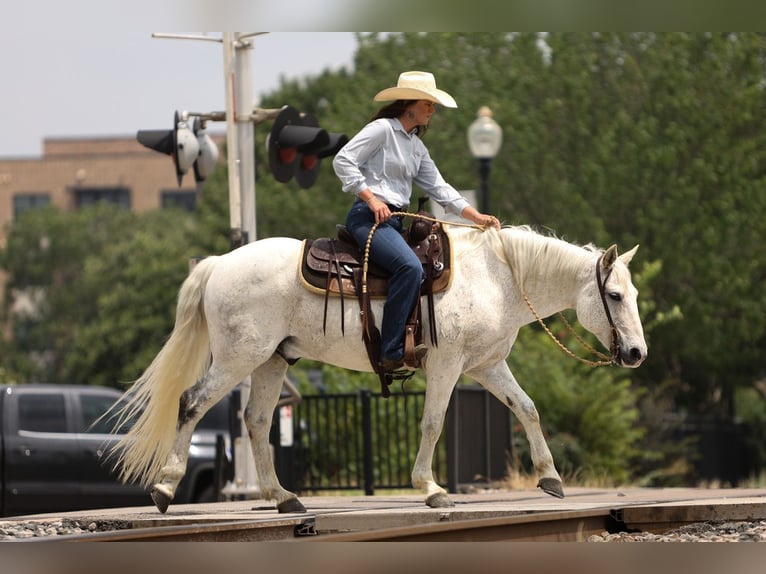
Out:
{"x": 614, "y": 296}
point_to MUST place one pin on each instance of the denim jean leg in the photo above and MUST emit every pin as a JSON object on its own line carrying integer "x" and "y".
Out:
{"x": 389, "y": 251}
{"x": 403, "y": 292}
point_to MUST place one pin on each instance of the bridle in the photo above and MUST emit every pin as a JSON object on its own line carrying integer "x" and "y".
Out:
{"x": 614, "y": 346}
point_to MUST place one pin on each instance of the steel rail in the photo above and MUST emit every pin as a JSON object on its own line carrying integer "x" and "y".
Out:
{"x": 563, "y": 526}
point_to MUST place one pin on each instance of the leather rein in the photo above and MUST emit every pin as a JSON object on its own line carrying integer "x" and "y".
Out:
{"x": 614, "y": 347}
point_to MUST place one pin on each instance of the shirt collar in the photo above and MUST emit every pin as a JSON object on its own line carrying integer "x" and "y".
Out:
{"x": 397, "y": 125}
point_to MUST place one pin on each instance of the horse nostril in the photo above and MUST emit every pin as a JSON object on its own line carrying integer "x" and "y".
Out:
{"x": 635, "y": 355}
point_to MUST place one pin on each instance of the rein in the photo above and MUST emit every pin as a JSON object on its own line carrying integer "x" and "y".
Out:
{"x": 614, "y": 347}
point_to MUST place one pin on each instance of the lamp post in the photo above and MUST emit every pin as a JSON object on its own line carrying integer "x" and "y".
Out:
{"x": 484, "y": 139}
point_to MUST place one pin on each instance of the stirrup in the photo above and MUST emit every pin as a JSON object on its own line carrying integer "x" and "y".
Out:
{"x": 420, "y": 353}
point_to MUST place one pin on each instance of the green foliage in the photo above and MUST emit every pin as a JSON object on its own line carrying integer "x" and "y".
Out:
{"x": 106, "y": 280}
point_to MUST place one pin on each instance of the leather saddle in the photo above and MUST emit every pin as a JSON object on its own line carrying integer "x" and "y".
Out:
{"x": 334, "y": 267}
{"x": 331, "y": 264}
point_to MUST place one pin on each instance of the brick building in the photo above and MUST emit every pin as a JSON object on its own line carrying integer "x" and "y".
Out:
{"x": 73, "y": 173}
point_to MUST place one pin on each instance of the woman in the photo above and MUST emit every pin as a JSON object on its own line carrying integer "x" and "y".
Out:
{"x": 378, "y": 165}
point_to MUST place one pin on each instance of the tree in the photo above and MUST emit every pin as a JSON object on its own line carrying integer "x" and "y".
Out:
{"x": 100, "y": 303}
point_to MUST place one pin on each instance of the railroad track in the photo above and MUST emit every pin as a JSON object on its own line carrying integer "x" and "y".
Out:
{"x": 562, "y": 525}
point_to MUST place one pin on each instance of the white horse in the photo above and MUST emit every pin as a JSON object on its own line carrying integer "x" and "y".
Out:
{"x": 247, "y": 313}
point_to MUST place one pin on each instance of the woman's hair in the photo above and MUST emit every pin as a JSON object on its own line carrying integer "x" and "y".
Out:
{"x": 396, "y": 109}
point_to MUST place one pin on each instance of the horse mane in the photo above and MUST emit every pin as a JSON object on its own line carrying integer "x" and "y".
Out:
{"x": 532, "y": 255}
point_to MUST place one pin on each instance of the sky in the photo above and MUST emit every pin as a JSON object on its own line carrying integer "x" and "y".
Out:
{"x": 62, "y": 81}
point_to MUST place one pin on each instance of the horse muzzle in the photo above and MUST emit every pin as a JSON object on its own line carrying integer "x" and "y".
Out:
{"x": 630, "y": 357}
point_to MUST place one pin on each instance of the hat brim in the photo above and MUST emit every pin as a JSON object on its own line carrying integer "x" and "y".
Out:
{"x": 437, "y": 96}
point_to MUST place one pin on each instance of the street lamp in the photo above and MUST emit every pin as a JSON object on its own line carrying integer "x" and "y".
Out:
{"x": 484, "y": 139}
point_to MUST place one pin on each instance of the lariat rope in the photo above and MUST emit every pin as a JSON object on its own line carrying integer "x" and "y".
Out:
{"x": 606, "y": 360}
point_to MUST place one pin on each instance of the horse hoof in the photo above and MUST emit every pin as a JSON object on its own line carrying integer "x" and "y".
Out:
{"x": 439, "y": 500}
{"x": 551, "y": 486}
{"x": 290, "y": 505}
{"x": 161, "y": 499}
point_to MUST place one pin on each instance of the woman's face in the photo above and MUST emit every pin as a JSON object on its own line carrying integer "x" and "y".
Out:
{"x": 423, "y": 109}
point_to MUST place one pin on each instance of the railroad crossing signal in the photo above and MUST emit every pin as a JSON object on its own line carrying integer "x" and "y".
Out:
{"x": 296, "y": 145}
{"x": 190, "y": 147}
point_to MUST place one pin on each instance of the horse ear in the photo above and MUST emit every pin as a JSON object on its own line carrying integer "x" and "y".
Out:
{"x": 628, "y": 256}
{"x": 609, "y": 257}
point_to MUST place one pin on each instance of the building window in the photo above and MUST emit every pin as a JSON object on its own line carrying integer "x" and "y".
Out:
{"x": 85, "y": 196}
{"x": 25, "y": 201}
{"x": 182, "y": 199}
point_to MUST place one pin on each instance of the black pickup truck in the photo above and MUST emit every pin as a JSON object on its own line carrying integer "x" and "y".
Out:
{"x": 52, "y": 457}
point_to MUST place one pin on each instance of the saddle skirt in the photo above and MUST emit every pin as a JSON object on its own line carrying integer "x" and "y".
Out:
{"x": 334, "y": 265}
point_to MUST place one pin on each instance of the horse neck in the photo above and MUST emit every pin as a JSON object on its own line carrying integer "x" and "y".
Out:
{"x": 547, "y": 270}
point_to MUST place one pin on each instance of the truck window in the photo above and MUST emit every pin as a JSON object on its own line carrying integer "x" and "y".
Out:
{"x": 93, "y": 406}
{"x": 42, "y": 413}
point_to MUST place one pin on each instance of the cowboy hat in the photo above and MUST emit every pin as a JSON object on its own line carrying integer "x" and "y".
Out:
{"x": 416, "y": 86}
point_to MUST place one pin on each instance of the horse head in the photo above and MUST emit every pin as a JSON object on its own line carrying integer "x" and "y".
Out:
{"x": 607, "y": 306}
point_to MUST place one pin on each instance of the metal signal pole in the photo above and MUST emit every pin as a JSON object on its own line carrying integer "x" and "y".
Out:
{"x": 237, "y": 64}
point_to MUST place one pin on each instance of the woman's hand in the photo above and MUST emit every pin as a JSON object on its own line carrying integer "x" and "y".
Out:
{"x": 380, "y": 209}
{"x": 488, "y": 221}
{"x": 482, "y": 219}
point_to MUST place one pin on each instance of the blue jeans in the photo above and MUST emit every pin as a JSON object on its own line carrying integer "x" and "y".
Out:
{"x": 391, "y": 252}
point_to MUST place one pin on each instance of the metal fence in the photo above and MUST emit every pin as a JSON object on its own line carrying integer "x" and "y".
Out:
{"x": 362, "y": 441}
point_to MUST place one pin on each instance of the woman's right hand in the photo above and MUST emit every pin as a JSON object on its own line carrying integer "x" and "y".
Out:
{"x": 380, "y": 209}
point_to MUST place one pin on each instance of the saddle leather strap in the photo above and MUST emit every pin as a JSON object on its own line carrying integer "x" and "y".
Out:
{"x": 433, "y": 245}
{"x": 412, "y": 335}
{"x": 326, "y": 299}
{"x": 336, "y": 260}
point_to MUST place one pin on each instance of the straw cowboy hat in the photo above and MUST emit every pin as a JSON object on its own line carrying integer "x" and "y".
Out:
{"x": 416, "y": 86}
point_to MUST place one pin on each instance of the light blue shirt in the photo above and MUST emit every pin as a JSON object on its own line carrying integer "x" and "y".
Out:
{"x": 387, "y": 159}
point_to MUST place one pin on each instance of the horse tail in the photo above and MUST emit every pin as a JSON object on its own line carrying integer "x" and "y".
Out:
{"x": 153, "y": 400}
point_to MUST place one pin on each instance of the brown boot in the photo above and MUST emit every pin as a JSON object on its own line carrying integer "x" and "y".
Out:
{"x": 420, "y": 353}
{"x": 391, "y": 365}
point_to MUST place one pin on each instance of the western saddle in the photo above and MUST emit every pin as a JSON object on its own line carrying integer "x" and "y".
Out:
{"x": 335, "y": 267}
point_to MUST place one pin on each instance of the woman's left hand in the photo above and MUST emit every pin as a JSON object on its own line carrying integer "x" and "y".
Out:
{"x": 472, "y": 214}
{"x": 488, "y": 221}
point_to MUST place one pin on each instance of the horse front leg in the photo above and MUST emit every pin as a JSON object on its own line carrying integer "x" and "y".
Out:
{"x": 499, "y": 380}
{"x": 438, "y": 390}
{"x": 265, "y": 387}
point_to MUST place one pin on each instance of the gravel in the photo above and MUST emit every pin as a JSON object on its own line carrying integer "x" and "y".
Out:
{"x": 11, "y": 530}
{"x": 698, "y": 532}
{"x": 743, "y": 531}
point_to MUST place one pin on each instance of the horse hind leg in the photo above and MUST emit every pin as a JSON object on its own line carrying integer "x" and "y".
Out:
{"x": 265, "y": 387}
{"x": 193, "y": 405}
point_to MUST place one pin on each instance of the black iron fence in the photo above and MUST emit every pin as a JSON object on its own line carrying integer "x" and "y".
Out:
{"x": 362, "y": 441}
